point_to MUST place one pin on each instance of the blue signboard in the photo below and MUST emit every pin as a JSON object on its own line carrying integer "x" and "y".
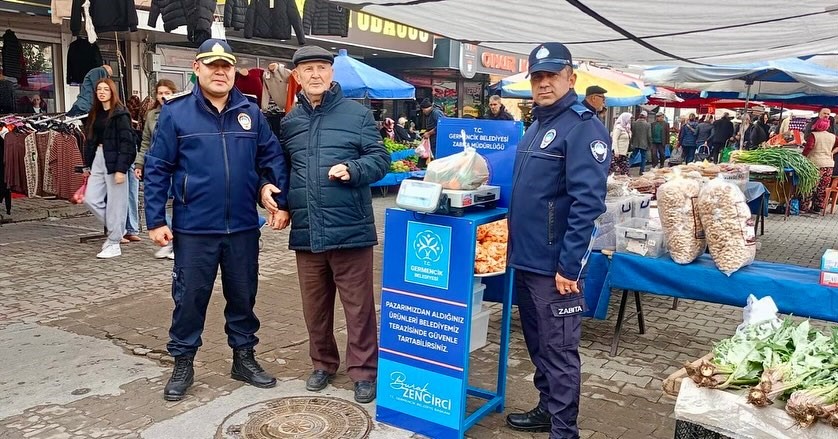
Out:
{"x": 428, "y": 255}
{"x": 424, "y": 329}
{"x": 424, "y": 394}
{"x": 495, "y": 140}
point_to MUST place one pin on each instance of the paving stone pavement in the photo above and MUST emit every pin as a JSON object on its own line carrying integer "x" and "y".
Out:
{"x": 49, "y": 279}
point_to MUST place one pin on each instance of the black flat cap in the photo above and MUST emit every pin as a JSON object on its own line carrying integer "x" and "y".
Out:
{"x": 426, "y": 103}
{"x": 595, "y": 90}
{"x": 312, "y": 53}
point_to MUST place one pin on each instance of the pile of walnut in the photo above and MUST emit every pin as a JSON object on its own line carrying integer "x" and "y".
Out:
{"x": 490, "y": 254}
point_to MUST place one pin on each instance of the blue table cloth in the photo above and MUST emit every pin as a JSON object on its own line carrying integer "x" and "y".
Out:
{"x": 795, "y": 290}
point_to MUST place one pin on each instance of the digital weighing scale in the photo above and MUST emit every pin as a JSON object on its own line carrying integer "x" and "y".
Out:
{"x": 427, "y": 197}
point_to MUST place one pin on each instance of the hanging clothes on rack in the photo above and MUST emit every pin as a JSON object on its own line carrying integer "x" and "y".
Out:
{"x": 293, "y": 88}
{"x": 249, "y": 82}
{"x": 196, "y": 15}
{"x": 174, "y": 13}
{"x": 14, "y": 65}
{"x": 235, "y": 14}
{"x": 273, "y": 19}
{"x": 7, "y": 95}
{"x": 106, "y": 15}
{"x": 82, "y": 57}
{"x": 60, "y": 9}
{"x": 275, "y": 86}
{"x": 5, "y": 192}
{"x": 322, "y": 17}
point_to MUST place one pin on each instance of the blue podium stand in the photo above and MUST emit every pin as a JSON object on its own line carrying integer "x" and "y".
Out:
{"x": 426, "y": 315}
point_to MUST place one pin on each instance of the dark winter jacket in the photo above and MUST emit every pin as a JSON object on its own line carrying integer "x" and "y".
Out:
{"x": 174, "y": 12}
{"x": 119, "y": 144}
{"x": 235, "y": 14}
{"x": 13, "y": 65}
{"x": 759, "y": 134}
{"x": 321, "y": 17}
{"x": 213, "y": 163}
{"x": 107, "y": 16}
{"x": 688, "y": 134}
{"x": 262, "y": 21}
{"x": 330, "y": 214}
{"x": 502, "y": 114}
{"x": 82, "y": 57}
{"x": 722, "y": 130}
{"x": 199, "y": 20}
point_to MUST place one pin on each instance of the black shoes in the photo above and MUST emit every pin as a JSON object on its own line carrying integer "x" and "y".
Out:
{"x": 182, "y": 377}
{"x": 245, "y": 368}
{"x": 535, "y": 420}
{"x": 318, "y": 380}
{"x": 364, "y": 392}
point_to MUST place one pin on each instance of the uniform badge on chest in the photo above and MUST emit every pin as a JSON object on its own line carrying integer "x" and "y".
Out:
{"x": 547, "y": 139}
{"x": 599, "y": 150}
{"x": 244, "y": 121}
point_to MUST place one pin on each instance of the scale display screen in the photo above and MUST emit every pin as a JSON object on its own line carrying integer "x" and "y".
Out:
{"x": 419, "y": 195}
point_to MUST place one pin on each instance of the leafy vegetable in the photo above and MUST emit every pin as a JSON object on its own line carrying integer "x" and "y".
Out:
{"x": 782, "y": 158}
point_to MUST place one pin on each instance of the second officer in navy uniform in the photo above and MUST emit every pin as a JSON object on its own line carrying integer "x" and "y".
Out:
{"x": 216, "y": 150}
{"x": 559, "y": 187}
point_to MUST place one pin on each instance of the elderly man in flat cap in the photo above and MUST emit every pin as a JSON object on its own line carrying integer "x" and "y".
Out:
{"x": 335, "y": 152}
{"x": 595, "y": 98}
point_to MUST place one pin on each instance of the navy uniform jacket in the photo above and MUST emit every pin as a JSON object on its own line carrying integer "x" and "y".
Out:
{"x": 215, "y": 164}
{"x": 558, "y": 191}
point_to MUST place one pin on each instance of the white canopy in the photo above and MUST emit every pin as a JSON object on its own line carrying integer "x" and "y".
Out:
{"x": 651, "y": 32}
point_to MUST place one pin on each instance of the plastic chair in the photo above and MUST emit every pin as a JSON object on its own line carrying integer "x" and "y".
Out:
{"x": 830, "y": 197}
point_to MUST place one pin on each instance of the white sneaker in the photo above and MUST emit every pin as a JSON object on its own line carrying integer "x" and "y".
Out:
{"x": 110, "y": 251}
{"x": 164, "y": 252}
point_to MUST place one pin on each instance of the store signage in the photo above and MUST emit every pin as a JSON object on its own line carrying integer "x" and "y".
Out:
{"x": 468, "y": 60}
{"x": 501, "y": 63}
{"x": 377, "y": 33}
{"x": 495, "y": 140}
{"x": 35, "y": 7}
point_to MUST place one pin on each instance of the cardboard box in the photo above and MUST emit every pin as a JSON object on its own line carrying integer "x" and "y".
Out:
{"x": 829, "y": 261}
{"x": 829, "y": 279}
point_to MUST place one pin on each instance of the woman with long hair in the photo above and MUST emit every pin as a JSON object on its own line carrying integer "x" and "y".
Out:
{"x": 620, "y": 139}
{"x": 162, "y": 89}
{"x": 820, "y": 147}
{"x": 108, "y": 155}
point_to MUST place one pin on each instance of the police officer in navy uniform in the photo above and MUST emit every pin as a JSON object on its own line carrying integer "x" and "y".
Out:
{"x": 558, "y": 191}
{"x": 216, "y": 151}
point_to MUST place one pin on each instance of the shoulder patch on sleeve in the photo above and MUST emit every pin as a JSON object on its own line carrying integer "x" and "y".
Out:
{"x": 599, "y": 149}
{"x": 176, "y": 96}
{"x": 583, "y": 111}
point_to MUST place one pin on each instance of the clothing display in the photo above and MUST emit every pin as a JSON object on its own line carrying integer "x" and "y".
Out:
{"x": 275, "y": 86}
{"x": 273, "y": 19}
{"x": 235, "y": 14}
{"x": 106, "y": 15}
{"x": 14, "y": 65}
{"x": 82, "y": 57}
{"x": 249, "y": 82}
{"x": 196, "y": 15}
{"x": 7, "y": 96}
{"x": 60, "y": 9}
{"x": 322, "y": 17}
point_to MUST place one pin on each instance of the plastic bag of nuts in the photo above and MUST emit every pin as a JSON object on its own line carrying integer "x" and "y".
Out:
{"x": 677, "y": 200}
{"x": 728, "y": 226}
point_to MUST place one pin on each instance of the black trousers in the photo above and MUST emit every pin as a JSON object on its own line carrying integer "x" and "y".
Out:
{"x": 552, "y": 326}
{"x": 716, "y": 152}
{"x": 197, "y": 258}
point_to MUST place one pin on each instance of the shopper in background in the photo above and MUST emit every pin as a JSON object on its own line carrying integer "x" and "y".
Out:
{"x": 85, "y": 100}
{"x": 620, "y": 141}
{"x": 705, "y": 131}
{"x": 429, "y": 117}
{"x": 743, "y": 134}
{"x": 109, "y": 153}
{"x": 595, "y": 98}
{"x": 821, "y": 146}
{"x": 163, "y": 89}
{"x": 641, "y": 138}
{"x": 389, "y": 130}
{"x": 497, "y": 111}
{"x": 687, "y": 137}
{"x": 759, "y": 132}
{"x": 722, "y": 133}
{"x": 660, "y": 138}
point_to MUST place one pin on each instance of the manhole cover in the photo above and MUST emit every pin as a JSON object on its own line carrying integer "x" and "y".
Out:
{"x": 298, "y": 417}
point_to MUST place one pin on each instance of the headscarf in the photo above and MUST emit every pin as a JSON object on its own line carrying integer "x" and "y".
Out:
{"x": 822, "y": 124}
{"x": 746, "y": 123}
{"x": 624, "y": 122}
{"x": 389, "y": 128}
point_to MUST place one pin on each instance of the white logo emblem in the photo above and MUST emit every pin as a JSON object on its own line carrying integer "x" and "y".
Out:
{"x": 542, "y": 53}
{"x": 244, "y": 121}
{"x": 428, "y": 246}
{"x": 548, "y": 137}
{"x": 216, "y": 48}
{"x": 599, "y": 150}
